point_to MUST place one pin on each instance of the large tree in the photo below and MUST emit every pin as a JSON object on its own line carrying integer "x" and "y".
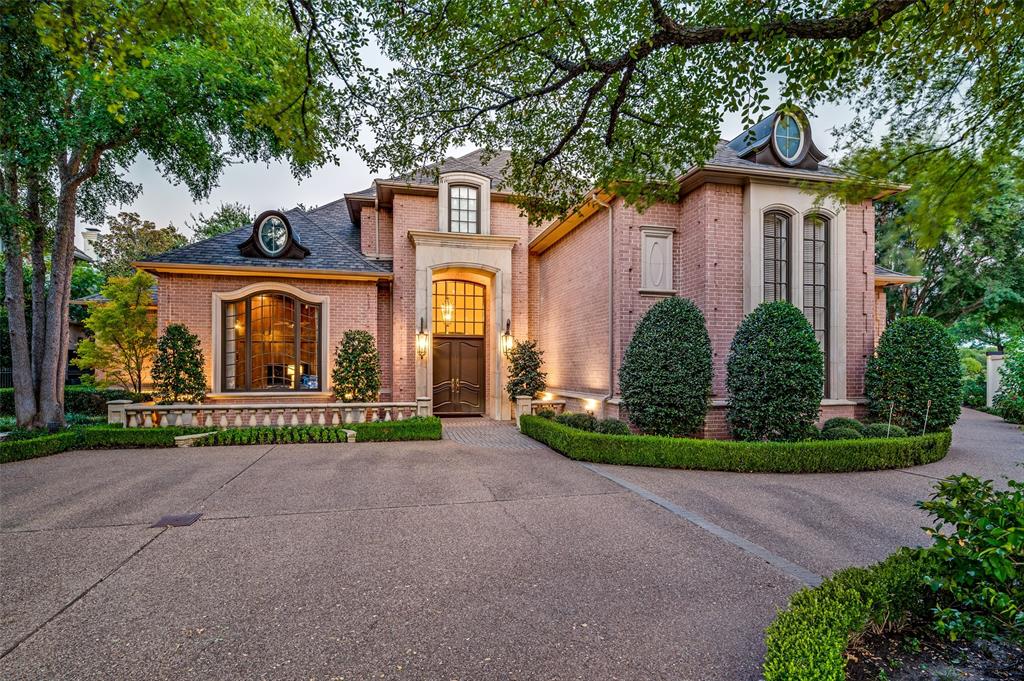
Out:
{"x": 629, "y": 93}
{"x": 227, "y": 218}
{"x": 87, "y": 85}
{"x": 130, "y": 239}
{"x": 972, "y": 273}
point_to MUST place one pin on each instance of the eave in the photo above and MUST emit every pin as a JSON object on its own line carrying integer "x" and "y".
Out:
{"x": 893, "y": 280}
{"x": 266, "y": 272}
{"x": 553, "y": 233}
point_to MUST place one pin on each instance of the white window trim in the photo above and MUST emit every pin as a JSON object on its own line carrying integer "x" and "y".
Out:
{"x": 483, "y": 185}
{"x": 657, "y": 232}
{"x": 761, "y": 198}
{"x": 217, "y": 319}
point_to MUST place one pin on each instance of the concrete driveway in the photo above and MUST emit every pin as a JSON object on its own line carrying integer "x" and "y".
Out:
{"x": 482, "y": 556}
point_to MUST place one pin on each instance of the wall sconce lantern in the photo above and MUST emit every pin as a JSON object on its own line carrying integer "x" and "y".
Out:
{"x": 507, "y": 341}
{"x": 421, "y": 340}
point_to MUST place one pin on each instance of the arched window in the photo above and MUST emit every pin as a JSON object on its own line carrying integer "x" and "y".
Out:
{"x": 271, "y": 342}
{"x": 458, "y": 308}
{"x": 463, "y": 209}
{"x": 776, "y": 256}
{"x": 816, "y": 281}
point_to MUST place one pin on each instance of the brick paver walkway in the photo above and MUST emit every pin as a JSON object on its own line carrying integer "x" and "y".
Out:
{"x": 483, "y": 432}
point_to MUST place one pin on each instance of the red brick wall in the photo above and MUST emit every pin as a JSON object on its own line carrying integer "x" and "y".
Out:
{"x": 384, "y": 341}
{"x": 188, "y": 299}
{"x": 369, "y": 226}
{"x": 507, "y": 220}
{"x": 860, "y": 294}
{"x": 572, "y": 308}
{"x": 409, "y": 213}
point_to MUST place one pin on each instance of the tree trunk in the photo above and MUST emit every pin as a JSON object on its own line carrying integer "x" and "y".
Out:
{"x": 38, "y": 276}
{"x": 26, "y": 411}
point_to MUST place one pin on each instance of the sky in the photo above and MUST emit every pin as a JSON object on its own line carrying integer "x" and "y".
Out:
{"x": 263, "y": 187}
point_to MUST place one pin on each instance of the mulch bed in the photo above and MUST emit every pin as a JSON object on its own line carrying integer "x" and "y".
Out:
{"x": 918, "y": 654}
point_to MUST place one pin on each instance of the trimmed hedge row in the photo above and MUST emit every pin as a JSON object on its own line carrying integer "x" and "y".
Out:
{"x": 91, "y": 437}
{"x": 808, "y": 639}
{"x": 380, "y": 431}
{"x": 78, "y": 399}
{"x": 815, "y": 456}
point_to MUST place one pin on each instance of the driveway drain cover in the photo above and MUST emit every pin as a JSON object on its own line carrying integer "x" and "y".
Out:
{"x": 177, "y": 520}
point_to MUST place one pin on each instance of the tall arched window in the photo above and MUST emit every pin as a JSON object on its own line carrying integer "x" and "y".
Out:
{"x": 271, "y": 342}
{"x": 816, "y": 280}
{"x": 776, "y": 256}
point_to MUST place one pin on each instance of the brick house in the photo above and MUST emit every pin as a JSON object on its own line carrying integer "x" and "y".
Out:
{"x": 443, "y": 269}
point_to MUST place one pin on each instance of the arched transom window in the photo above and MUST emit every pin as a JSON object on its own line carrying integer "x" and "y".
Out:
{"x": 458, "y": 308}
{"x": 271, "y": 342}
{"x": 776, "y": 256}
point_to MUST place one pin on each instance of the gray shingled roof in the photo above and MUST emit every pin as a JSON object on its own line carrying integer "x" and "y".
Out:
{"x": 469, "y": 163}
{"x": 886, "y": 272}
{"x": 327, "y": 231}
{"x": 727, "y": 156}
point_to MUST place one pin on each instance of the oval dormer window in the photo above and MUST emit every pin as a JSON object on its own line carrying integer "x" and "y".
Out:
{"x": 789, "y": 138}
{"x": 273, "y": 235}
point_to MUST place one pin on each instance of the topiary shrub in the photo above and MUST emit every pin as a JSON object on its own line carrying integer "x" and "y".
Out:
{"x": 883, "y": 430}
{"x": 666, "y": 372}
{"x": 843, "y": 422}
{"x": 179, "y": 369}
{"x": 612, "y": 427}
{"x": 775, "y": 375}
{"x": 916, "y": 361}
{"x": 356, "y": 375}
{"x": 1009, "y": 399}
{"x": 546, "y": 413}
{"x": 524, "y": 374}
{"x": 841, "y": 434}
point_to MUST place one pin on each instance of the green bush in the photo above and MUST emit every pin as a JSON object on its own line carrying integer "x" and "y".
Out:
{"x": 978, "y": 574}
{"x": 546, "y": 413}
{"x": 29, "y": 445}
{"x": 380, "y": 431}
{"x": 843, "y": 422}
{"x": 775, "y": 375}
{"x": 356, "y": 375}
{"x": 578, "y": 421}
{"x": 808, "y": 640}
{"x": 524, "y": 374}
{"x": 1009, "y": 400}
{"x": 666, "y": 371}
{"x": 724, "y": 455}
{"x": 916, "y": 361}
{"x": 883, "y": 430}
{"x": 840, "y": 433}
{"x": 974, "y": 392}
{"x": 179, "y": 370}
{"x": 612, "y": 427}
{"x": 78, "y": 399}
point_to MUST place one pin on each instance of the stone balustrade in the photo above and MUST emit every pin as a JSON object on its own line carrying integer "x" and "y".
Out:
{"x": 230, "y": 415}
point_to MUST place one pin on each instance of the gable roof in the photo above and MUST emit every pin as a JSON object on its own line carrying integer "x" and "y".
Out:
{"x": 327, "y": 231}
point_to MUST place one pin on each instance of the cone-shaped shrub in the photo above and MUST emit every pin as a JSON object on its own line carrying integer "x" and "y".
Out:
{"x": 666, "y": 374}
{"x": 775, "y": 375}
{"x": 916, "y": 361}
{"x": 179, "y": 370}
{"x": 356, "y": 375}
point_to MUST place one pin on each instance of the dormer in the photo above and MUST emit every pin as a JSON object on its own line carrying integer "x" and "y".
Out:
{"x": 782, "y": 139}
{"x": 273, "y": 237}
{"x": 464, "y": 203}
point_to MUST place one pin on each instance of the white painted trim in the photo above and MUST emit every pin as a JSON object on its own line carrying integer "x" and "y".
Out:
{"x": 216, "y": 321}
{"x": 483, "y": 185}
{"x": 665, "y": 236}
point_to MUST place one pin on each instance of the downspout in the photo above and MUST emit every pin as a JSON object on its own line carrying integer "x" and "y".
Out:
{"x": 376, "y": 216}
{"x": 611, "y": 297}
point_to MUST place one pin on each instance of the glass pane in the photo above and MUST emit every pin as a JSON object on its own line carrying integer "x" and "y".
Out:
{"x": 272, "y": 326}
{"x": 458, "y": 308}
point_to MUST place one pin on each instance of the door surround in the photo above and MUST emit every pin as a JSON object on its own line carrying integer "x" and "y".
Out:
{"x": 484, "y": 259}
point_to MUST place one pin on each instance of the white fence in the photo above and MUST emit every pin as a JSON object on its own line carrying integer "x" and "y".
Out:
{"x": 133, "y": 415}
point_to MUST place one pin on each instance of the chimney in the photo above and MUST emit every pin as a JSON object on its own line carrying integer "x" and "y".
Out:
{"x": 89, "y": 235}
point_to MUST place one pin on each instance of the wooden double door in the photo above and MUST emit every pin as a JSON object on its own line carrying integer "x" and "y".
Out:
{"x": 458, "y": 375}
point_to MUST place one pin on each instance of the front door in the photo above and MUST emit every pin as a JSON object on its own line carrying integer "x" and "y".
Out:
{"x": 458, "y": 375}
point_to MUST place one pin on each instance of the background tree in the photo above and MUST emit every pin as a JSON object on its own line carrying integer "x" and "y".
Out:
{"x": 227, "y": 218}
{"x": 356, "y": 374}
{"x": 775, "y": 375}
{"x": 179, "y": 369}
{"x": 123, "y": 332}
{"x": 88, "y": 85}
{"x": 916, "y": 363}
{"x": 524, "y": 370}
{"x": 131, "y": 239}
{"x": 973, "y": 272}
{"x": 665, "y": 375}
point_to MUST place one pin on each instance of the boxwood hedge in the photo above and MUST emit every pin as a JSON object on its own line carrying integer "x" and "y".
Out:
{"x": 89, "y": 437}
{"x": 808, "y": 640}
{"x": 379, "y": 431}
{"x": 817, "y": 456}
